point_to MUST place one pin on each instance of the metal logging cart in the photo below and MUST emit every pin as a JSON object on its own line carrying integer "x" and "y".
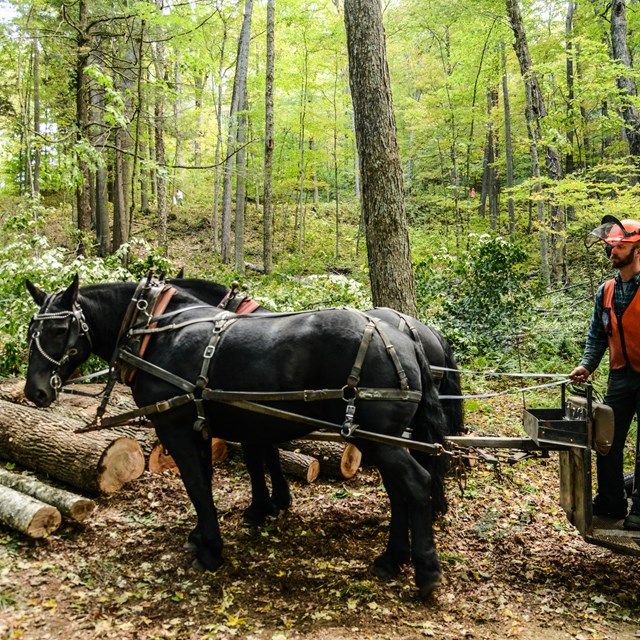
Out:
{"x": 575, "y": 430}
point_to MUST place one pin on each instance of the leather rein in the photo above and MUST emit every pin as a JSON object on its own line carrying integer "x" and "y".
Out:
{"x": 146, "y": 310}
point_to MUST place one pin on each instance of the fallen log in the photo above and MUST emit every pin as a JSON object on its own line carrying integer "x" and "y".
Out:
{"x": 300, "y": 465}
{"x": 83, "y": 407}
{"x": 296, "y": 464}
{"x": 68, "y": 504}
{"x": 337, "y": 460}
{"x": 26, "y": 514}
{"x": 94, "y": 462}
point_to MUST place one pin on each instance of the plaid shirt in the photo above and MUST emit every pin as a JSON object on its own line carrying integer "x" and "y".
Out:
{"x": 597, "y": 341}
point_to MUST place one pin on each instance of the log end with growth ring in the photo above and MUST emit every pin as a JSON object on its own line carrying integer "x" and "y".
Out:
{"x": 45, "y": 521}
{"x": 350, "y": 461}
{"x": 121, "y": 462}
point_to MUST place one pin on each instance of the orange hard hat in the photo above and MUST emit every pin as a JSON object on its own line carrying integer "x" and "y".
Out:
{"x": 613, "y": 231}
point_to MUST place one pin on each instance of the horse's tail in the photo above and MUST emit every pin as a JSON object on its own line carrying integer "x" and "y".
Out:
{"x": 450, "y": 386}
{"x": 430, "y": 425}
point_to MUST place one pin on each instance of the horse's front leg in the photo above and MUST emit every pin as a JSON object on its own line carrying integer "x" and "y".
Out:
{"x": 192, "y": 455}
{"x": 280, "y": 492}
{"x": 262, "y": 505}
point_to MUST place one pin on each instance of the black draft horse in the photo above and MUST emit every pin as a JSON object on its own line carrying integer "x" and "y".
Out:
{"x": 261, "y": 353}
{"x": 437, "y": 351}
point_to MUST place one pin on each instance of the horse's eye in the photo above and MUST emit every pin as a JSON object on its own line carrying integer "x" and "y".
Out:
{"x": 59, "y": 331}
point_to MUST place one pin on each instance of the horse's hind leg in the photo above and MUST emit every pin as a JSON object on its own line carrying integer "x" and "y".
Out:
{"x": 408, "y": 486}
{"x": 262, "y": 505}
{"x": 387, "y": 565}
{"x": 192, "y": 455}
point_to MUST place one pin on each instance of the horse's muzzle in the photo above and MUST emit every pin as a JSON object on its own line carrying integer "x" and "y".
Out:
{"x": 41, "y": 396}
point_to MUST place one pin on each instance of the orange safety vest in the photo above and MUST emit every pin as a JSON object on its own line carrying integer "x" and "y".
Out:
{"x": 624, "y": 336}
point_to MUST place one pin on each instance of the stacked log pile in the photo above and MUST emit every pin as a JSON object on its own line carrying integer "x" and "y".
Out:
{"x": 101, "y": 461}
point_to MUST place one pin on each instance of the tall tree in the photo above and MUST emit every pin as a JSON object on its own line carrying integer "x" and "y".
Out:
{"x": 389, "y": 252}
{"x": 267, "y": 249}
{"x": 83, "y": 42}
{"x": 239, "y": 83}
{"x": 535, "y": 111}
{"x": 625, "y": 79}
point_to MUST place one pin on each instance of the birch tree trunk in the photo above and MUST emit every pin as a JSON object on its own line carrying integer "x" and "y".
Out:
{"x": 389, "y": 252}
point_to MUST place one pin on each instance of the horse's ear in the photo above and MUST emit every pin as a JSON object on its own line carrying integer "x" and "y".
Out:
{"x": 37, "y": 294}
{"x": 180, "y": 275}
{"x": 71, "y": 293}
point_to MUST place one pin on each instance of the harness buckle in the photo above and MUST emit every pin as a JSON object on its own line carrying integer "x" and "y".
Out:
{"x": 348, "y": 426}
{"x": 209, "y": 351}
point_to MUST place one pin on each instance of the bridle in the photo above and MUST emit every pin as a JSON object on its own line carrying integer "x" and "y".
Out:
{"x": 78, "y": 328}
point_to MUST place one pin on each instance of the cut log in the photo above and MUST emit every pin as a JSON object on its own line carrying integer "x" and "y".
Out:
{"x": 69, "y": 504}
{"x": 83, "y": 407}
{"x": 219, "y": 450}
{"x": 95, "y": 462}
{"x": 337, "y": 460}
{"x": 294, "y": 463}
{"x": 160, "y": 461}
{"x": 26, "y": 514}
{"x": 299, "y": 465}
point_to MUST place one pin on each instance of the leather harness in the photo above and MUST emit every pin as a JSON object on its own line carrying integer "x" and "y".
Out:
{"x": 147, "y": 309}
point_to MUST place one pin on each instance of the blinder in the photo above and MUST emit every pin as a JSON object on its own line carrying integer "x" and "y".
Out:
{"x": 77, "y": 329}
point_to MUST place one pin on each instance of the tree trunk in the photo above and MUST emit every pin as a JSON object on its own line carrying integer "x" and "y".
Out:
{"x": 69, "y": 504}
{"x": 160, "y": 156}
{"x": 239, "y": 83}
{"x": 267, "y": 247}
{"x": 37, "y": 154}
{"x": 27, "y": 515}
{"x": 241, "y": 186}
{"x": 535, "y": 111}
{"x": 626, "y": 83}
{"x": 489, "y": 173}
{"x": 216, "y": 181}
{"x": 391, "y": 273}
{"x": 101, "y": 195}
{"x": 119, "y": 199}
{"x": 95, "y": 462}
{"x": 83, "y": 201}
{"x": 508, "y": 150}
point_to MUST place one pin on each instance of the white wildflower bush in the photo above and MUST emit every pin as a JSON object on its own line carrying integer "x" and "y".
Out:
{"x": 28, "y": 255}
{"x": 286, "y": 293}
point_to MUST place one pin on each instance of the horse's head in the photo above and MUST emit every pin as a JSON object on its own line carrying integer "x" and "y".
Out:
{"x": 59, "y": 341}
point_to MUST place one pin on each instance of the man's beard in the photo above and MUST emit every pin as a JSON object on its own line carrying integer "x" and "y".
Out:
{"x": 620, "y": 263}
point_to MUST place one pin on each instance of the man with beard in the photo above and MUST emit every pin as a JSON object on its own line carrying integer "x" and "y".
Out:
{"x": 615, "y": 325}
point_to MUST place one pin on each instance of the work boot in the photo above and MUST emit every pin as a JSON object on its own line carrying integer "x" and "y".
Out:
{"x": 606, "y": 508}
{"x": 632, "y": 521}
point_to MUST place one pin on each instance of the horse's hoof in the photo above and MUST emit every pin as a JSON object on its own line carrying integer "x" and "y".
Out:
{"x": 257, "y": 517}
{"x": 427, "y": 588}
{"x": 191, "y": 547}
{"x": 200, "y": 566}
{"x": 384, "y": 569}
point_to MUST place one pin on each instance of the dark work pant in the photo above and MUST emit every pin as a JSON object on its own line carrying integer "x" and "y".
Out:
{"x": 623, "y": 396}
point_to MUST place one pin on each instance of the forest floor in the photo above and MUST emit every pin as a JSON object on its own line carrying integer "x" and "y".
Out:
{"x": 513, "y": 566}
